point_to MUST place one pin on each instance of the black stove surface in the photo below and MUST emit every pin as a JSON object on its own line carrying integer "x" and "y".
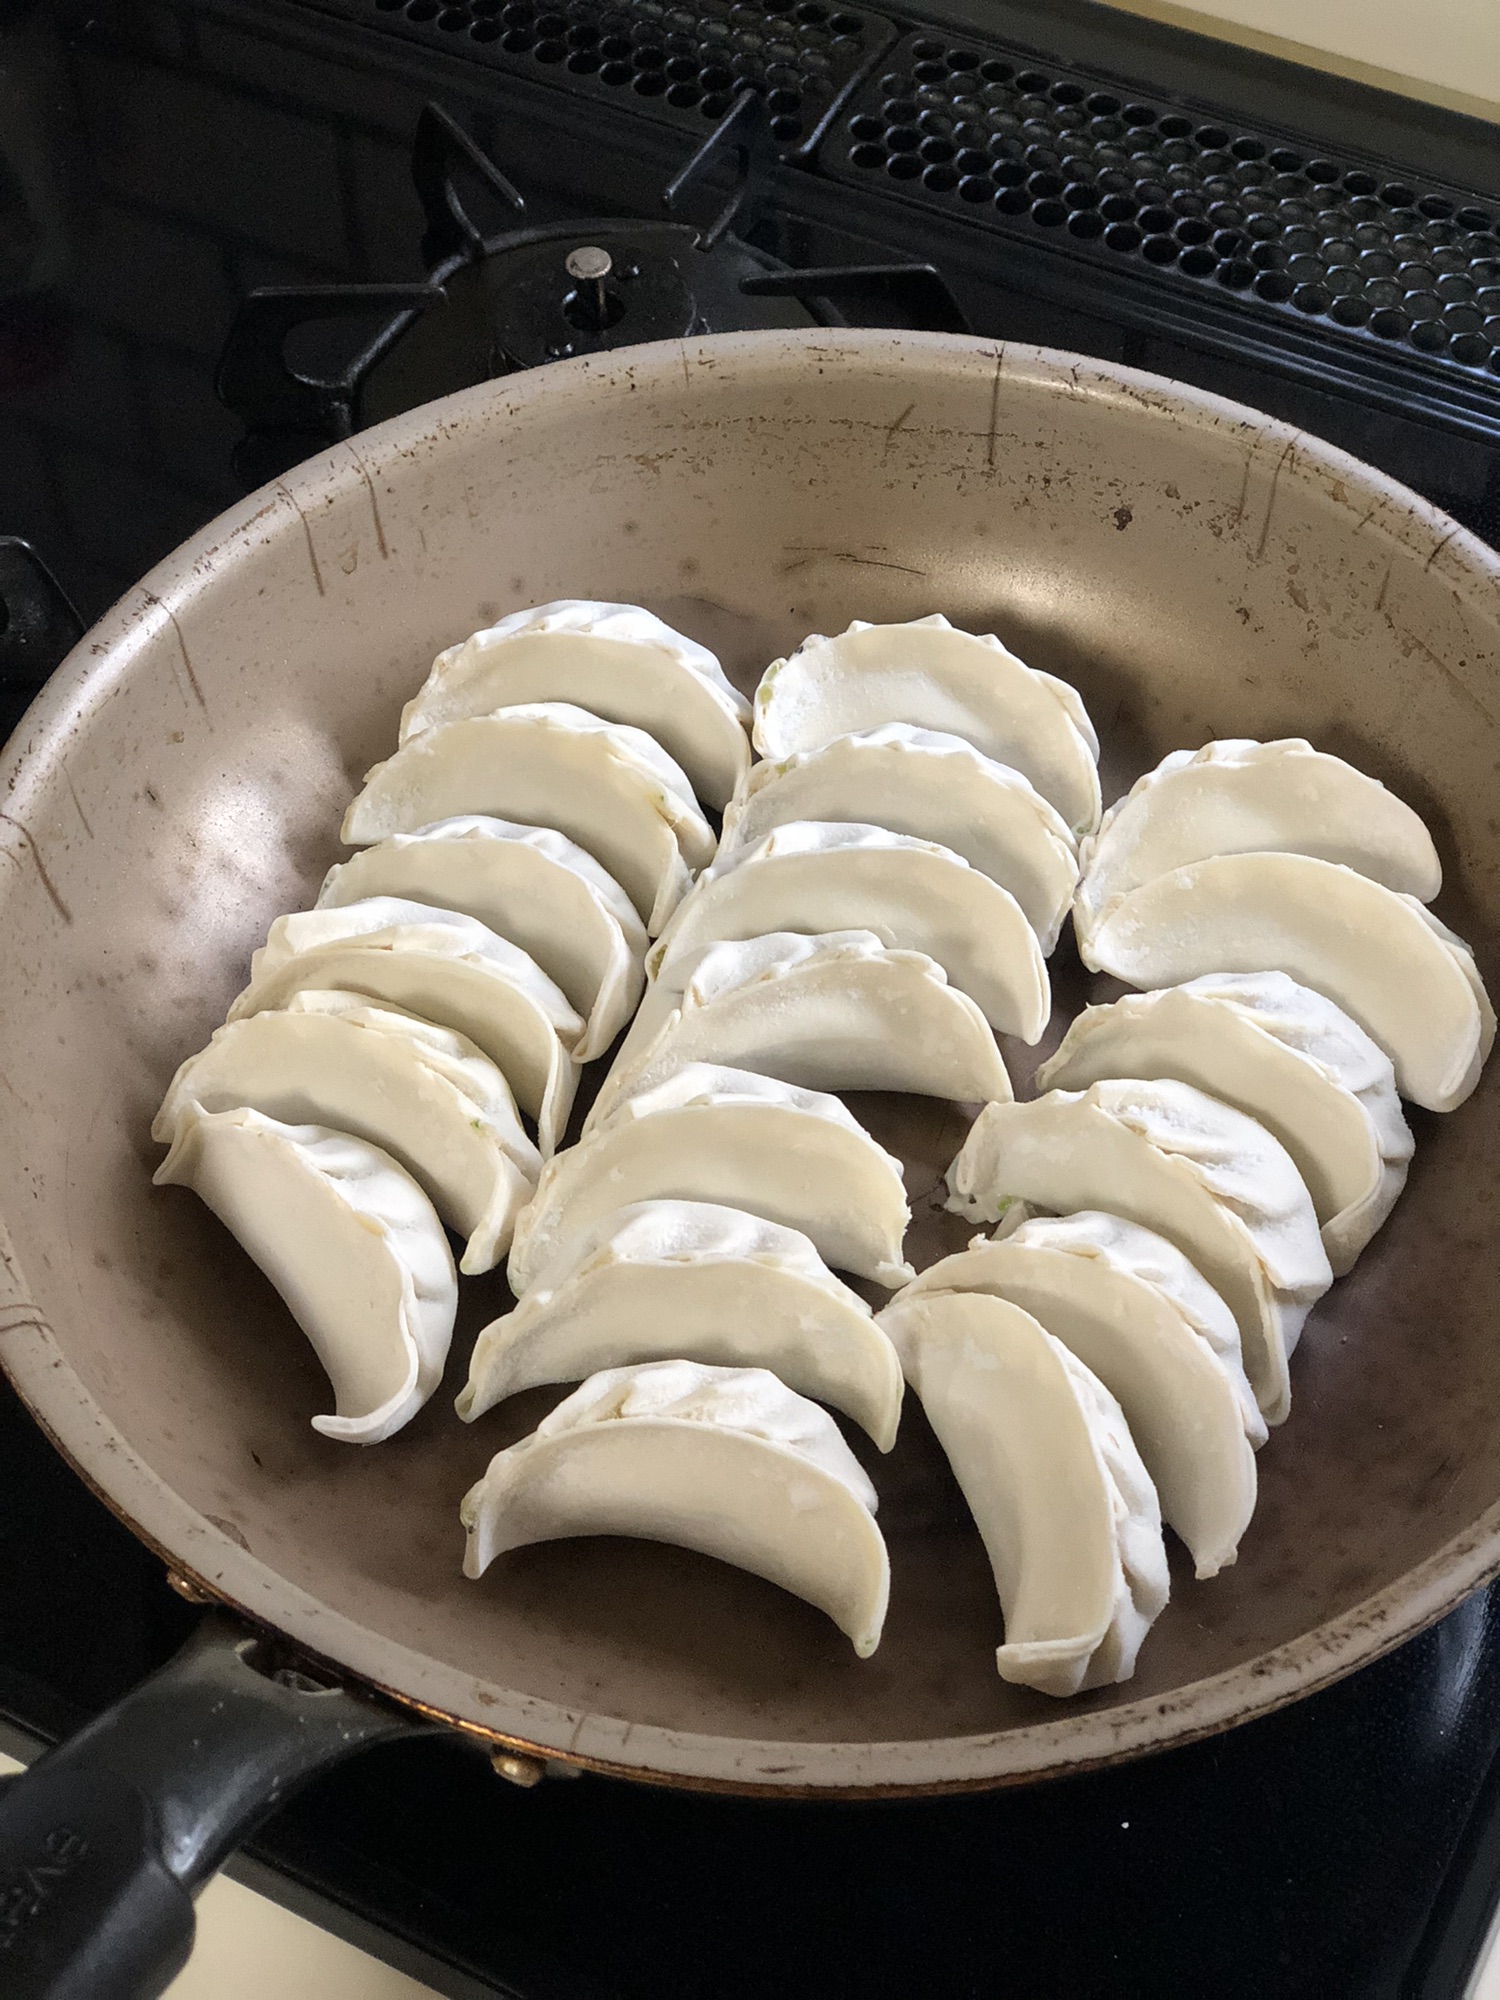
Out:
{"x": 160, "y": 161}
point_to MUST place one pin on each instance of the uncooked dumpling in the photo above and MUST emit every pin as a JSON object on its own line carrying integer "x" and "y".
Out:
{"x": 1160, "y": 1339}
{"x": 1175, "y": 1160}
{"x": 611, "y": 788}
{"x": 796, "y": 1157}
{"x": 351, "y": 1243}
{"x": 692, "y": 1281}
{"x": 1282, "y": 1053}
{"x": 832, "y": 1012}
{"x": 928, "y": 673}
{"x": 426, "y": 1096}
{"x": 933, "y": 786}
{"x": 526, "y": 883}
{"x": 727, "y": 1461}
{"x": 614, "y": 660}
{"x": 818, "y": 876}
{"x": 1383, "y": 958}
{"x": 444, "y": 967}
{"x": 1066, "y": 1510}
{"x": 1240, "y": 797}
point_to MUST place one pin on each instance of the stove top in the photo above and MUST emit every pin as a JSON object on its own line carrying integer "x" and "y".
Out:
{"x": 231, "y": 232}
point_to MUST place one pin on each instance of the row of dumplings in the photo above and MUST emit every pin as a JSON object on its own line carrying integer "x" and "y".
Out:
{"x": 1243, "y": 1115}
{"x": 406, "y": 1054}
{"x": 883, "y": 902}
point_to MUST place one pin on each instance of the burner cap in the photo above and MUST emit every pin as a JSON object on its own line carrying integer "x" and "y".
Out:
{"x": 623, "y": 283}
{"x": 589, "y": 262}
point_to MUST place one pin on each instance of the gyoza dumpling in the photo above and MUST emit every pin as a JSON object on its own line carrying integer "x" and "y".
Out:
{"x": 1385, "y": 959}
{"x": 1160, "y": 1339}
{"x": 446, "y": 968}
{"x": 1285, "y": 1055}
{"x": 526, "y": 883}
{"x": 930, "y": 674}
{"x": 817, "y": 876}
{"x": 1175, "y": 1160}
{"x": 723, "y": 1460}
{"x": 612, "y": 659}
{"x": 351, "y": 1243}
{"x": 1238, "y": 796}
{"x": 1066, "y": 1510}
{"x": 933, "y": 786}
{"x": 832, "y": 1012}
{"x": 791, "y": 1156}
{"x": 692, "y": 1281}
{"x": 426, "y": 1096}
{"x": 611, "y": 788}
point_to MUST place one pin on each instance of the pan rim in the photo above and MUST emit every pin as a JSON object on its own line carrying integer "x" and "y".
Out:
{"x": 192, "y": 1546}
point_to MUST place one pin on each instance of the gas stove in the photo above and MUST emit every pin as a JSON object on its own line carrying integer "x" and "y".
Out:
{"x": 231, "y": 233}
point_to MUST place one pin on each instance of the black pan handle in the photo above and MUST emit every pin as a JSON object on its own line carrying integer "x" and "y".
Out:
{"x": 105, "y": 1840}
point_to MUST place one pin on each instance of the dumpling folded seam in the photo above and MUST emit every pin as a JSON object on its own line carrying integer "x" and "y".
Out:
{"x": 1165, "y": 1155}
{"x": 1134, "y": 1311}
{"x": 832, "y": 1011}
{"x": 693, "y": 1281}
{"x": 1067, "y": 1511}
{"x": 615, "y": 660}
{"x": 714, "y": 1134}
{"x": 727, "y": 1461}
{"x": 351, "y": 1243}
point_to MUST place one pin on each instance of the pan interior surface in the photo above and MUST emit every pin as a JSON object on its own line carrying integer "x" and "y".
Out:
{"x": 1194, "y": 569}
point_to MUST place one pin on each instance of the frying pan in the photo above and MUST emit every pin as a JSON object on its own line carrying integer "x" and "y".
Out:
{"x": 1196, "y": 569}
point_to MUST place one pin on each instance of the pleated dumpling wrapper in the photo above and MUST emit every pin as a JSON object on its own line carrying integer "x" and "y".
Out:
{"x": 426, "y": 1096}
{"x": 692, "y": 1281}
{"x": 351, "y": 1243}
{"x": 727, "y": 1461}
{"x": 1065, "y": 1508}
{"x": 1284, "y": 1054}
{"x": 1382, "y": 957}
{"x": 791, "y": 1156}
{"x": 610, "y": 788}
{"x": 444, "y": 967}
{"x": 615, "y": 660}
{"x": 1172, "y": 1158}
{"x": 1158, "y": 1336}
{"x": 529, "y": 884}
{"x": 930, "y": 674}
{"x": 835, "y": 1011}
{"x": 820, "y": 875}
{"x": 933, "y": 786}
{"x": 1238, "y": 796}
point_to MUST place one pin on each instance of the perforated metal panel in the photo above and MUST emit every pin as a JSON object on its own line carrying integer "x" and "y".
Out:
{"x": 682, "y": 63}
{"x": 1129, "y": 180}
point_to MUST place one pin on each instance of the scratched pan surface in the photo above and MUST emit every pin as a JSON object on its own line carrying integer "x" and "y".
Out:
{"x": 1197, "y": 571}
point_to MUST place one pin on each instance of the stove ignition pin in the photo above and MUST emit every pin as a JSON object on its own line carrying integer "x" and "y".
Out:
{"x": 591, "y": 265}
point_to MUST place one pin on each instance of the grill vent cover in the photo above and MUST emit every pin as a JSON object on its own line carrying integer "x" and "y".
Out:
{"x": 1126, "y": 180}
{"x": 679, "y": 61}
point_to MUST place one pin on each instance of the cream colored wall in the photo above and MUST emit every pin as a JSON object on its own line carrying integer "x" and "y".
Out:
{"x": 1444, "y": 51}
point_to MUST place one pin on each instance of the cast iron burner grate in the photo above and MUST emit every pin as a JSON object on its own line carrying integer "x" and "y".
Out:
{"x": 682, "y": 63}
{"x": 499, "y": 300}
{"x": 1128, "y": 180}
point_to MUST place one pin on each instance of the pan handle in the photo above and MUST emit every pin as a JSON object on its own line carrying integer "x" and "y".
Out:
{"x": 104, "y": 1842}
